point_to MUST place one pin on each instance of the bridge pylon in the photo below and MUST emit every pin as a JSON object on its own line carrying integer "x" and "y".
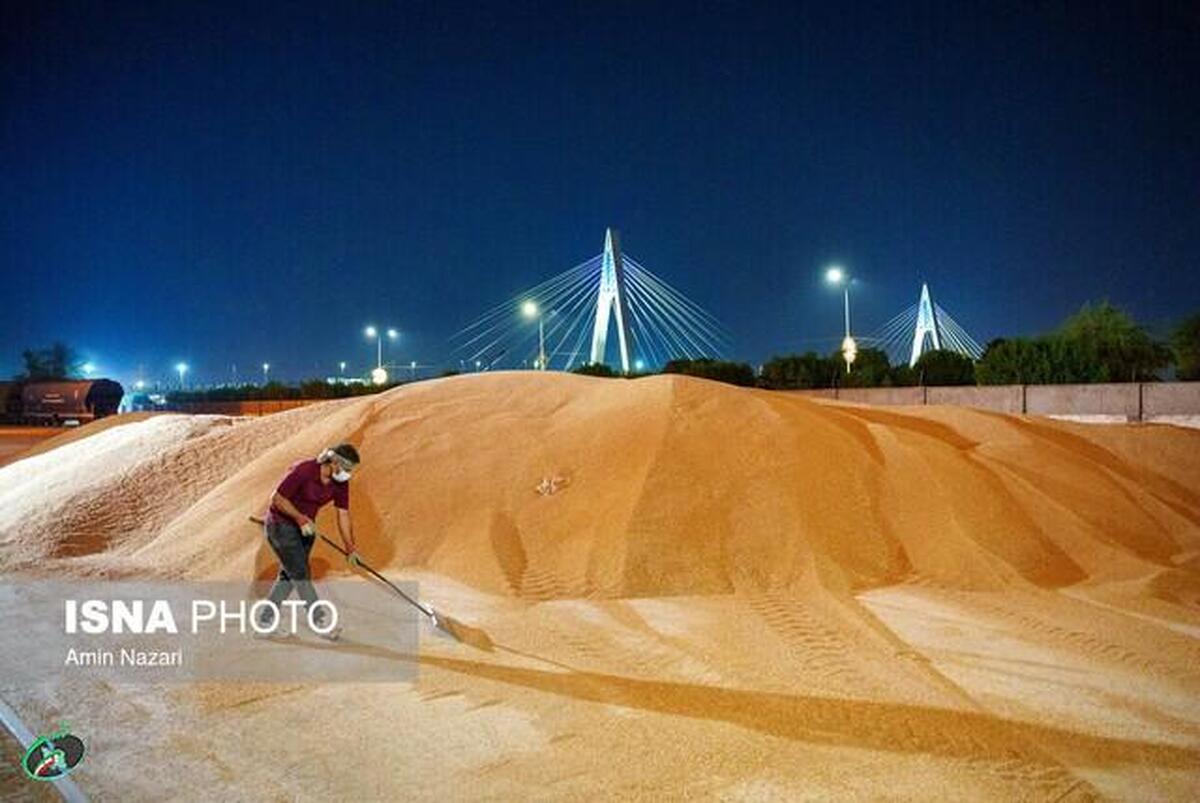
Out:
{"x": 610, "y": 301}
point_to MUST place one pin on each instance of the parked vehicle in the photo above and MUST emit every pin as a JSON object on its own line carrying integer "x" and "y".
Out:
{"x": 10, "y": 402}
{"x": 69, "y": 401}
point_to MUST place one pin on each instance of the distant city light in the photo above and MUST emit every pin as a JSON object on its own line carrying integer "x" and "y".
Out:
{"x": 639, "y": 365}
{"x": 379, "y": 376}
{"x": 140, "y": 384}
{"x": 182, "y": 368}
{"x": 88, "y": 368}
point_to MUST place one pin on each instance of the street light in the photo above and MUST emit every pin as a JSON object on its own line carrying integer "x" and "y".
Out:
{"x": 379, "y": 376}
{"x": 88, "y": 368}
{"x": 412, "y": 367}
{"x": 531, "y": 310}
{"x": 342, "y": 367}
{"x": 266, "y": 370}
{"x": 836, "y": 276}
{"x": 182, "y": 368}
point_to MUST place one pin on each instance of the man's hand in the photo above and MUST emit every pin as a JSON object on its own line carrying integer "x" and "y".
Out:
{"x": 306, "y": 526}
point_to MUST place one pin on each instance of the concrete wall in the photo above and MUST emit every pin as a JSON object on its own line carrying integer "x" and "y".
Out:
{"x": 1170, "y": 398}
{"x": 1130, "y": 401}
{"x": 1001, "y": 398}
{"x": 885, "y": 396}
{"x": 1099, "y": 399}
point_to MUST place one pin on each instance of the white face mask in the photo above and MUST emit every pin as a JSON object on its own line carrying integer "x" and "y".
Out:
{"x": 341, "y": 475}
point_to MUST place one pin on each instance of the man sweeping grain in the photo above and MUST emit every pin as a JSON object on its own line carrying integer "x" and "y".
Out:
{"x": 307, "y": 487}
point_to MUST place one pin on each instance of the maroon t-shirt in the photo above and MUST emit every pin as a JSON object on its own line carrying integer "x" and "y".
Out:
{"x": 303, "y": 488}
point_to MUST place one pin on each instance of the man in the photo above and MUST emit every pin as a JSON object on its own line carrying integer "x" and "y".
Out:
{"x": 307, "y": 487}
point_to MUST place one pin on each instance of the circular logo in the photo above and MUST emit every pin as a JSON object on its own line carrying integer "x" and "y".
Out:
{"x": 53, "y": 756}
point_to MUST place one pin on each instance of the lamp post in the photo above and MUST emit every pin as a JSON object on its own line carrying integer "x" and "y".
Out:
{"x": 266, "y": 370}
{"x": 379, "y": 375}
{"x": 836, "y": 276}
{"x": 531, "y": 310}
{"x": 182, "y": 368}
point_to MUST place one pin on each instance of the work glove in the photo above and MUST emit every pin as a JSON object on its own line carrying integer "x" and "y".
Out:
{"x": 308, "y": 528}
{"x": 354, "y": 560}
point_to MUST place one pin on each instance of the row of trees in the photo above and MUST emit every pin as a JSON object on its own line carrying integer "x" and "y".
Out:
{"x": 1097, "y": 344}
{"x": 1100, "y": 343}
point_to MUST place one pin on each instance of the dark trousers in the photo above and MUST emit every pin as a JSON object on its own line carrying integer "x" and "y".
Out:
{"x": 291, "y": 547}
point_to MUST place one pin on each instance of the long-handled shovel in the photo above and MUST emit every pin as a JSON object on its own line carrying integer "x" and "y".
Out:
{"x": 448, "y": 625}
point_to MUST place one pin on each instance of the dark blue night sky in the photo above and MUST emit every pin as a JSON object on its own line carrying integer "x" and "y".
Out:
{"x": 229, "y": 184}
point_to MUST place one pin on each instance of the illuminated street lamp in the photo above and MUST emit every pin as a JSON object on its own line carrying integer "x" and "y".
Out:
{"x": 266, "y": 370}
{"x": 530, "y": 310}
{"x": 342, "y": 367}
{"x": 836, "y": 276}
{"x": 181, "y": 368}
{"x": 88, "y": 368}
{"x": 372, "y": 332}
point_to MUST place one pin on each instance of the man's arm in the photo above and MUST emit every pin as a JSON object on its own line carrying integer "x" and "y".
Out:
{"x": 346, "y": 530}
{"x": 285, "y": 506}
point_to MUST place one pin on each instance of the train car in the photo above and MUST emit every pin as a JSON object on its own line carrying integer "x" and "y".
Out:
{"x": 10, "y": 402}
{"x": 66, "y": 401}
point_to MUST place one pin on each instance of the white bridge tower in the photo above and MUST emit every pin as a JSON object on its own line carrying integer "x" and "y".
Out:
{"x": 927, "y": 324}
{"x": 611, "y": 300}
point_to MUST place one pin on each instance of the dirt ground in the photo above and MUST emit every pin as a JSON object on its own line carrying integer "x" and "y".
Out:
{"x": 14, "y": 441}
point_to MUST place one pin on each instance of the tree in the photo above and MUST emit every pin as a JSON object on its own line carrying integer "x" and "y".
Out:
{"x": 1016, "y": 361}
{"x": 57, "y": 362}
{"x": 943, "y": 367}
{"x": 799, "y": 371}
{"x": 593, "y": 369}
{"x": 1072, "y": 361}
{"x": 1102, "y": 343}
{"x": 870, "y": 369}
{"x": 902, "y": 376}
{"x": 733, "y": 373}
{"x": 1185, "y": 343}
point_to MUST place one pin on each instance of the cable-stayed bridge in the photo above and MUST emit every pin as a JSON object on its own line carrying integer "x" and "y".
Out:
{"x": 920, "y": 328}
{"x": 567, "y": 321}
